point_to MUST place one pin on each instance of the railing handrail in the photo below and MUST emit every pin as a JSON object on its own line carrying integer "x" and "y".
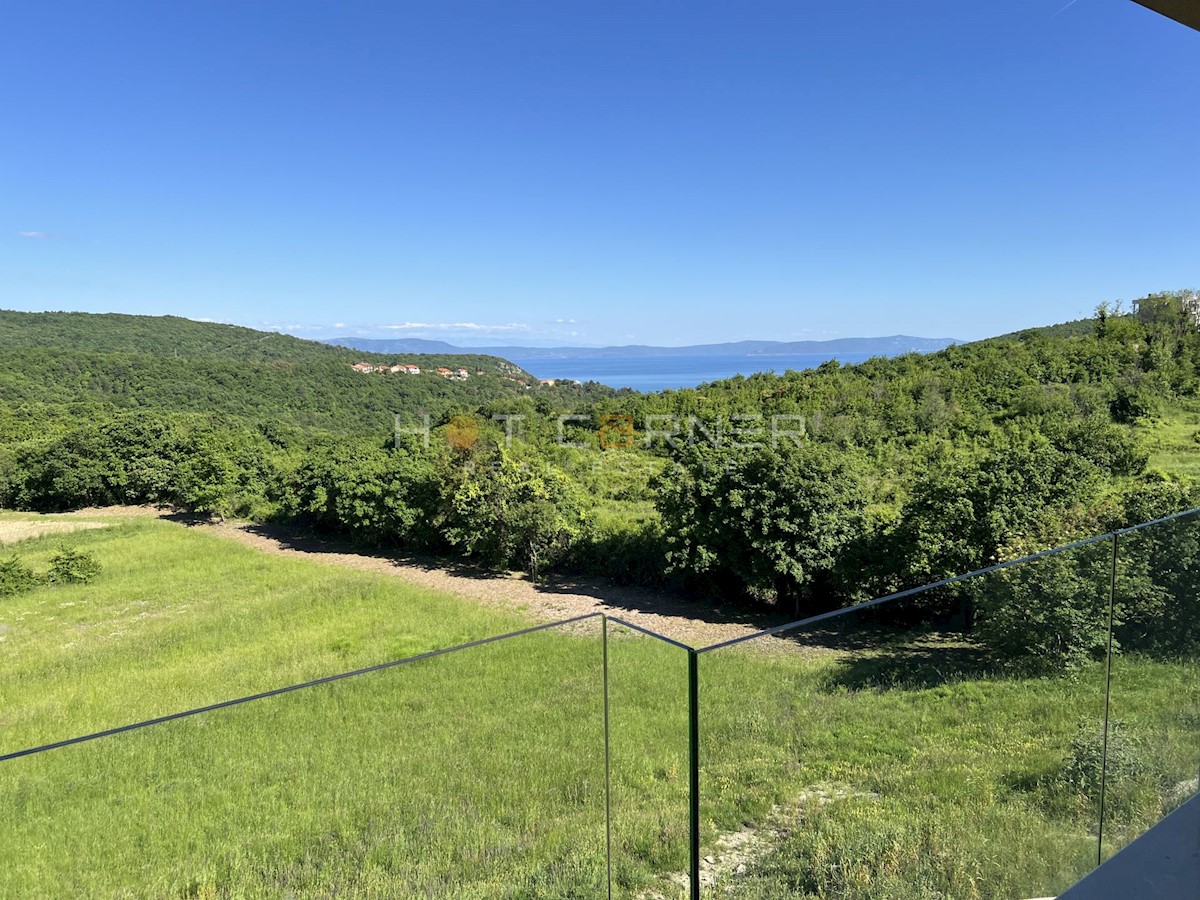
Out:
{"x": 654, "y": 634}
{"x": 909, "y": 592}
{"x": 768, "y": 632}
{"x": 341, "y": 676}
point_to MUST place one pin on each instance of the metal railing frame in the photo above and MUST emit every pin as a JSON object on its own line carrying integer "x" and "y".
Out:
{"x": 693, "y": 683}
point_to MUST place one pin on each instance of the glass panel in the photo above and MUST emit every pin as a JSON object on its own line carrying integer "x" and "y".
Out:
{"x": 648, "y": 710}
{"x": 1154, "y": 717}
{"x": 474, "y": 774}
{"x": 921, "y": 748}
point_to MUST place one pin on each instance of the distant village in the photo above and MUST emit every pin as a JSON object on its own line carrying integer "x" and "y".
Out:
{"x": 453, "y": 374}
{"x": 408, "y": 369}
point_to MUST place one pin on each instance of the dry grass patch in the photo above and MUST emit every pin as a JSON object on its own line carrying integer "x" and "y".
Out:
{"x": 13, "y": 531}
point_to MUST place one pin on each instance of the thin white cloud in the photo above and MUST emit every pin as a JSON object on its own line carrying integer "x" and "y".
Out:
{"x": 1064, "y": 9}
{"x": 34, "y": 235}
{"x": 274, "y": 326}
{"x": 339, "y": 325}
{"x": 564, "y": 321}
{"x": 468, "y": 327}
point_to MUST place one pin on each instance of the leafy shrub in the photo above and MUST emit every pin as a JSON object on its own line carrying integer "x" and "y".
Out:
{"x": 379, "y": 495}
{"x": 193, "y": 461}
{"x": 1085, "y": 758}
{"x": 1131, "y": 782}
{"x": 73, "y": 567}
{"x": 1133, "y": 402}
{"x": 1050, "y": 615}
{"x": 1158, "y": 572}
{"x": 627, "y": 546}
{"x": 772, "y": 523}
{"x": 508, "y": 513}
{"x": 16, "y": 577}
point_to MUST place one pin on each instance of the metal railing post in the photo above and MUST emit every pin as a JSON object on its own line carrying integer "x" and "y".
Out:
{"x": 694, "y": 769}
{"x": 1112, "y": 602}
{"x": 607, "y": 763}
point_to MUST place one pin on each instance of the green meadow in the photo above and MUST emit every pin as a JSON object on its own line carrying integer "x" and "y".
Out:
{"x": 862, "y": 763}
{"x": 1173, "y": 439}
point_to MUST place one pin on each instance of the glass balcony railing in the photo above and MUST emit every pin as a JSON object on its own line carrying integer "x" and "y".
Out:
{"x": 995, "y": 735}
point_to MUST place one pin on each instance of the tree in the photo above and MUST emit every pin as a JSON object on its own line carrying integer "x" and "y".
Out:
{"x": 772, "y": 523}
{"x": 960, "y": 514}
{"x": 1158, "y": 570}
{"x": 380, "y": 495}
{"x": 1047, "y": 615}
{"x": 509, "y": 511}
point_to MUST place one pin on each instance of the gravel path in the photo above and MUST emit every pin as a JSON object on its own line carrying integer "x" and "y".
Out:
{"x": 693, "y": 623}
{"x": 659, "y": 611}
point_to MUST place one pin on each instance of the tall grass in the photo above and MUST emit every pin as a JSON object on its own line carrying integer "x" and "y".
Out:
{"x": 475, "y": 774}
{"x": 1173, "y": 440}
{"x": 871, "y": 764}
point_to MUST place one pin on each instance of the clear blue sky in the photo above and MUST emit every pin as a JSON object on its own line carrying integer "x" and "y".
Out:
{"x": 595, "y": 172}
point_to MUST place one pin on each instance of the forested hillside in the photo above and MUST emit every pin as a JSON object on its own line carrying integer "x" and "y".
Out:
{"x": 805, "y": 490}
{"x": 173, "y": 337}
{"x": 90, "y": 366}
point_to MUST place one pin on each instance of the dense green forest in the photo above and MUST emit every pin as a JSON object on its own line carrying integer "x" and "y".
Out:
{"x": 89, "y": 367}
{"x": 804, "y": 491}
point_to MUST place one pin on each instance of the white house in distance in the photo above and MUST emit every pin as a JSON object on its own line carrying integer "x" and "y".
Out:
{"x": 459, "y": 374}
{"x": 397, "y": 369}
{"x": 454, "y": 374}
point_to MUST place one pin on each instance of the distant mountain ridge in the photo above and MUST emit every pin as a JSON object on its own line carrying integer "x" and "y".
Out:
{"x": 892, "y": 345}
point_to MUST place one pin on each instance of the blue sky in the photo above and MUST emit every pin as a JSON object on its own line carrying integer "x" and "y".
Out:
{"x": 588, "y": 172}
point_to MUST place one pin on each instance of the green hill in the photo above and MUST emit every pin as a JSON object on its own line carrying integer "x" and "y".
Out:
{"x": 180, "y": 338}
{"x": 1078, "y": 328}
{"x": 87, "y": 363}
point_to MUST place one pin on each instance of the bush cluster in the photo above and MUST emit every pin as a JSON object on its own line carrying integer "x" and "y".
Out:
{"x": 16, "y": 577}
{"x": 72, "y": 567}
{"x": 68, "y": 566}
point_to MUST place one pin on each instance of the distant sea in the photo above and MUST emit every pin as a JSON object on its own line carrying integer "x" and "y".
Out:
{"x": 657, "y": 373}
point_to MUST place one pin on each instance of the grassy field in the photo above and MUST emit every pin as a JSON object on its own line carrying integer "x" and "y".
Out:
{"x": 914, "y": 764}
{"x": 883, "y": 765}
{"x": 1173, "y": 440}
{"x": 477, "y": 774}
{"x": 957, "y": 788}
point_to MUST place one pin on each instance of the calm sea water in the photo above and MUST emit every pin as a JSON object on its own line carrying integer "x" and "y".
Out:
{"x": 656, "y": 373}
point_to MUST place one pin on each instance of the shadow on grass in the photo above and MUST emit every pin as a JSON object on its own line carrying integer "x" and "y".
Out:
{"x": 877, "y": 657}
{"x": 663, "y": 601}
{"x": 916, "y": 667}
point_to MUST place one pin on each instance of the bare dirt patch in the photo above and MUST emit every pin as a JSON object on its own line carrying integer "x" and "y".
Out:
{"x": 678, "y": 617}
{"x": 663, "y": 612}
{"x": 736, "y": 851}
{"x": 12, "y": 532}
{"x": 119, "y": 512}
